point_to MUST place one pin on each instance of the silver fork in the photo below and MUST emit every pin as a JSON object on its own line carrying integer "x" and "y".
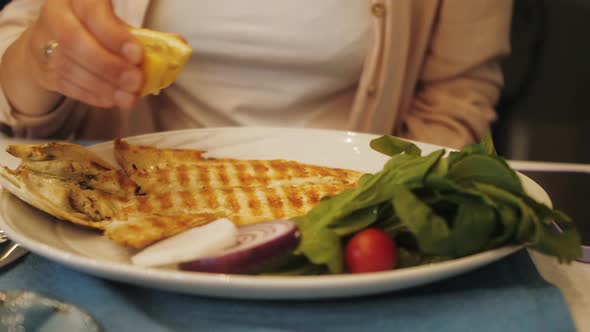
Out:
{"x": 10, "y": 251}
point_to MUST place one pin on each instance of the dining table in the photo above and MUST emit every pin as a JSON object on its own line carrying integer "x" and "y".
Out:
{"x": 525, "y": 291}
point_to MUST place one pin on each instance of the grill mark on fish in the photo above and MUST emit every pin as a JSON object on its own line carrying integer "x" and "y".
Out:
{"x": 163, "y": 176}
{"x": 262, "y": 199}
{"x": 211, "y": 197}
{"x": 242, "y": 200}
{"x": 241, "y": 173}
{"x": 144, "y": 204}
{"x": 280, "y": 169}
{"x": 165, "y": 200}
{"x": 182, "y": 175}
{"x": 253, "y": 174}
{"x": 293, "y": 197}
{"x": 299, "y": 170}
{"x": 222, "y": 174}
{"x": 253, "y": 201}
{"x": 322, "y": 171}
{"x": 204, "y": 177}
{"x": 230, "y": 173}
{"x": 158, "y": 222}
{"x": 261, "y": 172}
{"x": 274, "y": 202}
{"x": 188, "y": 200}
{"x": 332, "y": 189}
{"x": 313, "y": 196}
{"x": 230, "y": 200}
{"x": 338, "y": 173}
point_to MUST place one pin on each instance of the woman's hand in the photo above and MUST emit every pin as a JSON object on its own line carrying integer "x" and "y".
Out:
{"x": 95, "y": 61}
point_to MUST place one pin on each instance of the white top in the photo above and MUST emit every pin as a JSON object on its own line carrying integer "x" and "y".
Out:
{"x": 264, "y": 62}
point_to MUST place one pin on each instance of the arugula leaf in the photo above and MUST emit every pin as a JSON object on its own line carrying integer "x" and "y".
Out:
{"x": 488, "y": 144}
{"x": 356, "y": 221}
{"x": 484, "y": 169}
{"x": 320, "y": 245}
{"x": 440, "y": 184}
{"x": 473, "y": 224}
{"x": 410, "y": 258}
{"x": 295, "y": 265}
{"x": 545, "y": 212}
{"x": 508, "y": 218}
{"x": 468, "y": 150}
{"x": 525, "y": 226}
{"x": 533, "y": 229}
{"x": 476, "y": 220}
{"x": 431, "y": 230}
{"x": 465, "y": 232}
{"x": 390, "y": 146}
{"x": 566, "y": 246}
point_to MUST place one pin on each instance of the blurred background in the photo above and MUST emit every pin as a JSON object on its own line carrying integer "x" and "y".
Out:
{"x": 544, "y": 112}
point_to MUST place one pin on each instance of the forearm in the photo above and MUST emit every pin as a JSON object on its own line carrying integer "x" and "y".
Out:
{"x": 19, "y": 82}
{"x": 457, "y": 110}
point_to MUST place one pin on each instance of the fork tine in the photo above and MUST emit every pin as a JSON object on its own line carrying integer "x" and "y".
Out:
{"x": 3, "y": 237}
{"x": 12, "y": 253}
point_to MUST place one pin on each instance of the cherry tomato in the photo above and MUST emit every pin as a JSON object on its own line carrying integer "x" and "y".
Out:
{"x": 370, "y": 250}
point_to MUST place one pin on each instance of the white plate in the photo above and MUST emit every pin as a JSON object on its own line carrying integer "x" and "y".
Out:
{"x": 87, "y": 251}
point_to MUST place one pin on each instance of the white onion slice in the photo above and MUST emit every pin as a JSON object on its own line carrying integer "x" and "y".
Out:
{"x": 192, "y": 244}
{"x": 259, "y": 245}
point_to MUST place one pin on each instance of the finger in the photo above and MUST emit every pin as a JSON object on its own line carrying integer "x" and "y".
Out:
{"x": 106, "y": 66}
{"x": 72, "y": 89}
{"x": 99, "y": 18}
{"x": 73, "y": 80}
{"x": 78, "y": 44}
{"x": 75, "y": 91}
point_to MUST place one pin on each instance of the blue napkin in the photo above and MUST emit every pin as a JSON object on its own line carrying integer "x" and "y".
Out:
{"x": 508, "y": 295}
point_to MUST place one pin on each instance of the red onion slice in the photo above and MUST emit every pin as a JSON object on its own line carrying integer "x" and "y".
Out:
{"x": 259, "y": 246}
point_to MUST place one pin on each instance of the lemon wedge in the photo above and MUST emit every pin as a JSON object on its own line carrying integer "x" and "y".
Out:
{"x": 165, "y": 54}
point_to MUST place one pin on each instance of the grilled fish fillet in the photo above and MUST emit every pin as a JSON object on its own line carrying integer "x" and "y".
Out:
{"x": 180, "y": 189}
{"x": 189, "y": 170}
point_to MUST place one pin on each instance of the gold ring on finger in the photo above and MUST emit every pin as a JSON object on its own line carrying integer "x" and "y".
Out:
{"x": 49, "y": 48}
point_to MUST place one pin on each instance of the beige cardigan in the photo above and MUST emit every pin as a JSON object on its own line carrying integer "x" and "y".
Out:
{"x": 432, "y": 74}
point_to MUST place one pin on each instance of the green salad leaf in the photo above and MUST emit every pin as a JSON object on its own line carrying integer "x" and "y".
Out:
{"x": 390, "y": 146}
{"x": 409, "y": 258}
{"x": 437, "y": 207}
{"x": 488, "y": 144}
{"x": 476, "y": 168}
